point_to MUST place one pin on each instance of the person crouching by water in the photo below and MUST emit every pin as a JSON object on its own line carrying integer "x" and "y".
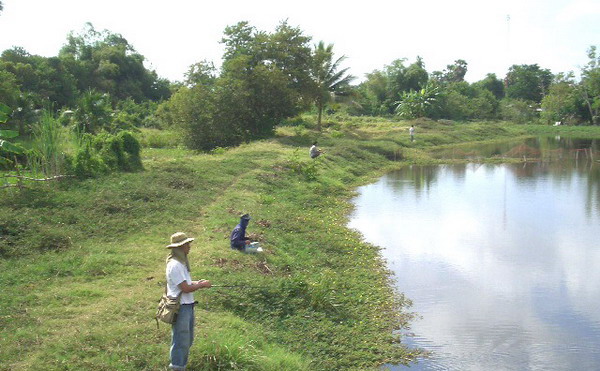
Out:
{"x": 238, "y": 235}
{"x": 179, "y": 281}
{"x": 314, "y": 151}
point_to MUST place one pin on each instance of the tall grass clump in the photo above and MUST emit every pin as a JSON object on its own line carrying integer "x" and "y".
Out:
{"x": 47, "y": 154}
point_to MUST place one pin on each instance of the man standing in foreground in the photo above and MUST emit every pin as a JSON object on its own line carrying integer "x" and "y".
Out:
{"x": 179, "y": 282}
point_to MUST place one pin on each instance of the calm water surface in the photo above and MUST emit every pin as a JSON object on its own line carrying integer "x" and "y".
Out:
{"x": 501, "y": 261}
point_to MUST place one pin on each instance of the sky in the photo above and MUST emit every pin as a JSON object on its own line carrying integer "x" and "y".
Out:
{"x": 172, "y": 35}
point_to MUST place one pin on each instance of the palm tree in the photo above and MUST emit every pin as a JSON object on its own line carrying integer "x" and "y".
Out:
{"x": 328, "y": 81}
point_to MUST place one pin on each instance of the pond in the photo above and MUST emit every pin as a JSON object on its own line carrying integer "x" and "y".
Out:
{"x": 501, "y": 261}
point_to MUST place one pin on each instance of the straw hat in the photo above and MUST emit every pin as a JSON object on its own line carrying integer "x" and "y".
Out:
{"x": 178, "y": 239}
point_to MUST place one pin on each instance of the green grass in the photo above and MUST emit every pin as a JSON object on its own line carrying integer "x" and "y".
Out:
{"x": 82, "y": 263}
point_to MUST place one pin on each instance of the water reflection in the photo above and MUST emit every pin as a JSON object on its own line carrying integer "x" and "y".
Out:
{"x": 500, "y": 261}
{"x": 542, "y": 148}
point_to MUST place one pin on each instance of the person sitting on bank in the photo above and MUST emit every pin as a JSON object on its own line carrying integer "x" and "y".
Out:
{"x": 179, "y": 282}
{"x": 314, "y": 151}
{"x": 238, "y": 235}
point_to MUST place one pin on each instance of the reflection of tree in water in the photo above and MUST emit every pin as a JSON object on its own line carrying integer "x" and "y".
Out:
{"x": 557, "y": 157}
{"x": 592, "y": 201}
{"x": 523, "y": 150}
{"x": 542, "y": 148}
{"x": 562, "y": 172}
{"x": 418, "y": 178}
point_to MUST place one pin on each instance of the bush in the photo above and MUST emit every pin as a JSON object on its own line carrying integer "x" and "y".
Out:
{"x": 87, "y": 163}
{"x": 132, "y": 148}
{"x": 309, "y": 169}
{"x": 518, "y": 111}
{"x": 103, "y": 153}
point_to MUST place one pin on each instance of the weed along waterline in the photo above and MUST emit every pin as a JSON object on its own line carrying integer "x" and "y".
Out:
{"x": 317, "y": 297}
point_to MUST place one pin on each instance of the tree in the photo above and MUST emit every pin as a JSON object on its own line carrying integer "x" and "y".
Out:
{"x": 46, "y": 80}
{"x": 414, "y": 104}
{"x": 201, "y": 73}
{"x": 590, "y": 85}
{"x": 287, "y": 49}
{"x": 528, "y": 82}
{"x": 493, "y": 84}
{"x": 404, "y": 79}
{"x": 5, "y": 145}
{"x": 328, "y": 81}
{"x": 456, "y": 72}
{"x": 9, "y": 88}
{"x": 373, "y": 93}
{"x": 562, "y": 101}
{"x": 106, "y": 62}
{"x": 93, "y": 112}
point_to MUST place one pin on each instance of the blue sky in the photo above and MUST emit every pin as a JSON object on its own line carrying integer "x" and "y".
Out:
{"x": 172, "y": 35}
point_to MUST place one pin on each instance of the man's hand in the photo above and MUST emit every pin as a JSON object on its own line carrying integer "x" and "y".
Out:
{"x": 204, "y": 283}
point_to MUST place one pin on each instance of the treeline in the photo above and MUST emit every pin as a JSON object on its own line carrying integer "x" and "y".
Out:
{"x": 98, "y": 83}
{"x": 528, "y": 93}
{"x": 97, "y": 76}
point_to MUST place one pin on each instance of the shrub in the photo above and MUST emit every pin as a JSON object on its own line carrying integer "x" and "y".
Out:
{"x": 517, "y": 110}
{"x": 103, "y": 153}
{"x": 309, "y": 169}
{"x": 132, "y": 148}
{"x": 86, "y": 162}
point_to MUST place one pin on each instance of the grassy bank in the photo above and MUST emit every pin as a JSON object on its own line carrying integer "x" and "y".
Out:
{"x": 83, "y": 262}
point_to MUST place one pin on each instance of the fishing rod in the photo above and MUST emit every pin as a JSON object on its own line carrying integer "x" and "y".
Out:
{"x": 239, "y": 286}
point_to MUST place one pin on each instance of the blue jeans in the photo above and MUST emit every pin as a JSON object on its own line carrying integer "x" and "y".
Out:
{"x": 182, "y": 337}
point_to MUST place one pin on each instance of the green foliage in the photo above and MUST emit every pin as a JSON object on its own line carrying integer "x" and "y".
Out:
{"x": 9, "y": 88}
{"x": 104, "y": 153}
{"x": 5, "y": 145}
{"x": 262, "y": 82}
{"x": 454, "y": 72}
{"x": 381, "y": 90}
{"x": 309, "y": 169}
{"x": 159, "y": 138}
{"x": 493, "y": 84}
{"x": 93, "y": 112}
{"x": 517, "y": 111}
{"x": 590, "y": 86}
{"x": 528, "y": 82}
{"x": 327, "y": 79}
{"x": 48, "y": 152}
{"x": 415, "y": 104}
{"x": 562, "y": 103}
{"x": 87, "y": 162}
{"x": 106, "y": 62}
{"x": 286, "y": 49}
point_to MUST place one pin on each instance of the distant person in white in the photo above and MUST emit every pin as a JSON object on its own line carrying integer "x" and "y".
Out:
{"x": 179, "y": 282}
{"x": 314, "y": 151}
{"x": 411, "y": 131}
